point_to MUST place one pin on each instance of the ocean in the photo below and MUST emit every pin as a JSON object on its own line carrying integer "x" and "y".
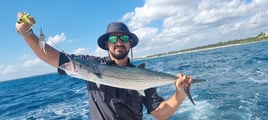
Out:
{"x": 236, "y": 88}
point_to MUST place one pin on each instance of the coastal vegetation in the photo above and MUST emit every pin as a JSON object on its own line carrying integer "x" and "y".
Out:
{"x": 260, "y": 37}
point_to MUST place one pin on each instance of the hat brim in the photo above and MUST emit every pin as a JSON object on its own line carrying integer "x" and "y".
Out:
{"x": 104, "y": 37}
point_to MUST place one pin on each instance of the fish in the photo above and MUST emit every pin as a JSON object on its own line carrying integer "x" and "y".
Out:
{"x": 42, "y": 42}
{"x": 134, "y": 78}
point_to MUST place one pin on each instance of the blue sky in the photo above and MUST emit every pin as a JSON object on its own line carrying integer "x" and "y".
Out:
{"x": 161, "y": 25}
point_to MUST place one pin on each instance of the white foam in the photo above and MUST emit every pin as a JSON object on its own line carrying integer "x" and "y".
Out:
{"x": 202, "y": 109}
{"x": 61, "y": 110}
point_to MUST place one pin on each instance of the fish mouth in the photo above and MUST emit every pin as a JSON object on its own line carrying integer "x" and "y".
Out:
{"x": 188, "y": 93}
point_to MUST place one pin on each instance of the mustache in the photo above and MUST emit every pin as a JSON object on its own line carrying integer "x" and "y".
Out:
{"x": 120, "y": 46}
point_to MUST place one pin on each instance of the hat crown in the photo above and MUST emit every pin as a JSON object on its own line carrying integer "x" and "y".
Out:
{"x": 117, "y": 27}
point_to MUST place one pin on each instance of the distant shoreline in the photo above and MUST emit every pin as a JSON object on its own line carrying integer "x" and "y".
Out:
{"x": 167, "y": 54}
{"x": 208, "y": 47}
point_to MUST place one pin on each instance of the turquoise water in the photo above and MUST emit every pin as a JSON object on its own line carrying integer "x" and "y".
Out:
{"x": 236, "y": 88}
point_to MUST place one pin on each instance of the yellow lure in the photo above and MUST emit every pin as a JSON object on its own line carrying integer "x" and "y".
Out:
{"x": 25, "y": 18}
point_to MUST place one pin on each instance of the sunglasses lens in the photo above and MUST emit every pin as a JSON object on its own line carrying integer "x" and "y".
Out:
{"x": 112, "y": 39}
{"x": 124, "y": 38}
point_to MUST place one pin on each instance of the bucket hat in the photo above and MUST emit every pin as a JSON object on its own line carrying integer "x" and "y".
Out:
{"x": 113, "y": 28}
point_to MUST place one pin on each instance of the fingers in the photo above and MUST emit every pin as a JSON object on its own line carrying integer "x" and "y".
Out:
{"x": 24, "y": 23}
{"x": 25, "y": 18}
{"x": 20, "y": 17}
{"x": 19, "y": 14}
{"x": 183, "y": 82}
{"x": 184, "y": 79}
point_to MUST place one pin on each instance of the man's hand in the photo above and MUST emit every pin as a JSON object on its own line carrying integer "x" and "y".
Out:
{"x": 24, "y": 23}
{"x": 182, "y": 81}
{"x": 167, "y": 108}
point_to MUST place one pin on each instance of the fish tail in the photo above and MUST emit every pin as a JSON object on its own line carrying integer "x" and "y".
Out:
{"x": 188, "y": 93}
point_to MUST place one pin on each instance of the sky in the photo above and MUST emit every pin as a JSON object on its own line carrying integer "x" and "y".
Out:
{"x": 161, "y": 26}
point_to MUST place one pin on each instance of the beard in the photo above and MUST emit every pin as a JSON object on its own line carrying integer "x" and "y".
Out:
{"x": 120, "y": 55}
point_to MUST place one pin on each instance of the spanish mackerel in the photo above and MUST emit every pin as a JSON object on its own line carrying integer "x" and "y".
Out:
{"x": 135, "y": 78}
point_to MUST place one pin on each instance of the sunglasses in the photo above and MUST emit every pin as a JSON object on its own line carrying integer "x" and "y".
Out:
{"x": 114, "y": 39}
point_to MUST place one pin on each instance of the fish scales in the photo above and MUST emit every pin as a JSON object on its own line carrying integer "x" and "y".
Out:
{"x": 134, "y": 78}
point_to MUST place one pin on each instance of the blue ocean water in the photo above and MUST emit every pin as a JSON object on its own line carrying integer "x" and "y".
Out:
{"x": 236, "y": 88}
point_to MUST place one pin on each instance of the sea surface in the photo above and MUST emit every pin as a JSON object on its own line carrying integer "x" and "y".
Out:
{"x": 236, "y": 88}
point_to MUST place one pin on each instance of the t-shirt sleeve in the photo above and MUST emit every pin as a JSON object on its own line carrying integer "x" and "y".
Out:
{"x": 152, "y": 99}
{"x": 62, "y": 59}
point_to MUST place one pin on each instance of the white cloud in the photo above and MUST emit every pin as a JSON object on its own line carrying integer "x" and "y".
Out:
{"x": 30, "y": 65}
{"x": 85, "y": 51}
{"x": 100, "y": 52}
{"x": 25, "y": 69}
{"x": 81, "y": 51}
{"x": 56, "y": 39}
{"x": 25, "y": 57}
{"x": 185, "y": 24}
{"x": 169, "y": 25}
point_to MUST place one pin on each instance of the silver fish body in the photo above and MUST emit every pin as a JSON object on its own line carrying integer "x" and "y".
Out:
{"x": 134, "y": 78}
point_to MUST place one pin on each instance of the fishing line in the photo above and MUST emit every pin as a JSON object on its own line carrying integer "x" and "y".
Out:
{"x": 26, "y": 18}
{"x": 39, "y": 30}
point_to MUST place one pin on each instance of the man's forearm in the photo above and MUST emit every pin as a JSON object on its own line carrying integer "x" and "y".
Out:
{"x": 168, "y": 107}
{"x": 49, "y": 57}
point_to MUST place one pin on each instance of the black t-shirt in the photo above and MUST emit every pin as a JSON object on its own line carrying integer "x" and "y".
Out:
{"x": 110, "y": 103}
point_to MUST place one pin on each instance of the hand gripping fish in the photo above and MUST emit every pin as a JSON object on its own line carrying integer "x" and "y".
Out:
{"x": 134, "y": 78}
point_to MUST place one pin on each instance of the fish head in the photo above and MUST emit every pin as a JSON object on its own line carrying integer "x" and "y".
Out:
{"x": 77, "y": 64}
{"x": 73, "y": 64}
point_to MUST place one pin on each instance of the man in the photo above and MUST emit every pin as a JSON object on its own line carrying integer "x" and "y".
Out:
{"x": 110, "y": 103}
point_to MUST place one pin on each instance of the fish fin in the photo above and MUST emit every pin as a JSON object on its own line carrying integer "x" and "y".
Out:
{"x": 42, "y": 42}
{"x": 67, "y": 66}
{"x": 110, "y": 62}
{"x": 44, "y": 51}
{"x": 98, "y": 85}
{"x": 198, "y": 80}
{"x": 98, "y": 74}
{"x": 187, "y": 91}
{"x": 122, "y": 67}
{"x": 141, "y": 92}
{"x": 96, "y": 70}
{"x": 43, "y": 48}
{"x": 141, "y": 65}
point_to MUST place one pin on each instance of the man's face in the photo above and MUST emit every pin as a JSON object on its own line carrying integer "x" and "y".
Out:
{"x": 118, "y": 45}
